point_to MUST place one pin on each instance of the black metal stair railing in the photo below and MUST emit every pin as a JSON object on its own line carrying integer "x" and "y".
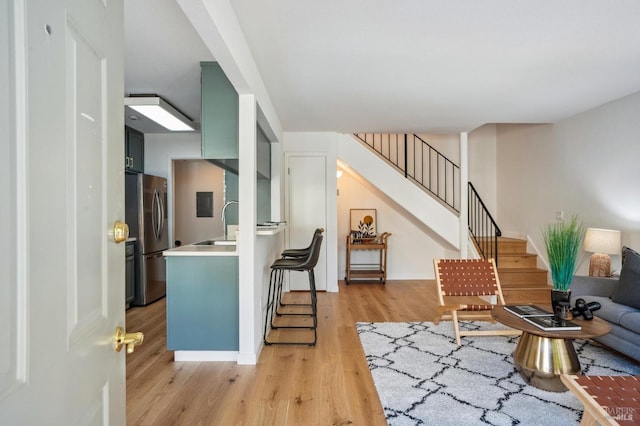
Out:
{"x": 433, "y": 171}
{"x": 419, "y": 162}
{"x": 482, "y": 226}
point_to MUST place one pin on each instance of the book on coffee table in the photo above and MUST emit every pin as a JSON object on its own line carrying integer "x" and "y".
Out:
{"x": 526, "y": 310}
{"x": 551, "y": 323}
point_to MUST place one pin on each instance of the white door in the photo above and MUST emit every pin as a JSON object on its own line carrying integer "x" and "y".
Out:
{"x": 62, "y": 189}
{"x": 307, "y": 210}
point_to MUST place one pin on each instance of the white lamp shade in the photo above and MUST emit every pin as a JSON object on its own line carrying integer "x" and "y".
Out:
{"x": 606, "y": 241}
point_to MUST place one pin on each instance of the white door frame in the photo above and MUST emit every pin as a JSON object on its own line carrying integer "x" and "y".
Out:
{"x": 329, "y": 243}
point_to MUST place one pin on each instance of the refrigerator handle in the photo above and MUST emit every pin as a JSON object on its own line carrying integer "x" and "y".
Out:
{"x": 160, "y": 216}
{"x": 159, "y": 213}
{"x": 154, "y": 213}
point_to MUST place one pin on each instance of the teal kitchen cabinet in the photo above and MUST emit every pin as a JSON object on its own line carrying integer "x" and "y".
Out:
{"x": 202, "y": 303}
{"x": 134, "y": 150}
{"x": 263, "y": 153}
{"x": 220, "y": 112}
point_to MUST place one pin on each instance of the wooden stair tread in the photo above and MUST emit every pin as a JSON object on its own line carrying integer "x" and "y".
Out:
{"x": 518, "y": 262}
{"x": 521, "y": 280}
{"x": 510, "y": 245}
{"x": 507, "y": 239}
{"x": 533, "y": 287}
{"x": 516, "y": 254}
{"x": 522, "y": 285}
{"x": 507, "y": 270}
{"x": 544, "y": 290}
{"x": 525, "y": 284}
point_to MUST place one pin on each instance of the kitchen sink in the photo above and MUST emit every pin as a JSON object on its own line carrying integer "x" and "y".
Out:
{"x": 215, "y": 243}
{"x": 205, "y": 243}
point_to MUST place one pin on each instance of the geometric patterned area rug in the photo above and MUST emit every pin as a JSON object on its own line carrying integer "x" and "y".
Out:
{"x": 423, "y": 378}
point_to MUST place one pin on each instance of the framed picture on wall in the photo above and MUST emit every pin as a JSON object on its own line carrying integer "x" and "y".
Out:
{"x": 363, "y": 222}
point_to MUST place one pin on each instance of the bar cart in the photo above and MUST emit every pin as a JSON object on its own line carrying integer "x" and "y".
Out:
{"x": 367, "y": 271}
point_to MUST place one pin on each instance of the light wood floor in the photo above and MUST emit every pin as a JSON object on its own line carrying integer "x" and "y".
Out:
{"x": 329, "y": 384}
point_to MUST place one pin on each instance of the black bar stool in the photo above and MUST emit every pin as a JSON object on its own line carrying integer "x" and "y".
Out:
{"x": 303, "y": 252}
{"x": 295, "y": 253}
{"x": 278, "y": 267}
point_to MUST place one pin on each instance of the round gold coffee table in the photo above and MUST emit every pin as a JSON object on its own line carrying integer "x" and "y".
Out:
{"x": 542, "y": 356}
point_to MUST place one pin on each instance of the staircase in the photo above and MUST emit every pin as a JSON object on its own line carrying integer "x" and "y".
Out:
{"x": 521, "y": 280}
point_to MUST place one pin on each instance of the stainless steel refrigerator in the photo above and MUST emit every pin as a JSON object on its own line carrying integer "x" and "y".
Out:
{"x": 146, "y": 214}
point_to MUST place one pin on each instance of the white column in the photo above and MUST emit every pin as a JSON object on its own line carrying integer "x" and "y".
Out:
{"x": 464, "y": 211}
{"x": 249, "y": 300}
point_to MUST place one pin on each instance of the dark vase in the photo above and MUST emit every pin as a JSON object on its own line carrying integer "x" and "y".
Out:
{"x": 559, "y": 296}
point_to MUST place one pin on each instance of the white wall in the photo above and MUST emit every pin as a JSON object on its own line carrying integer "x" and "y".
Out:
{"x": 159, "y": 150}
{"x": 192, "y": 176}
{"x": 526, "y": 181}
{"x": 586, "y": 164}
{"x": 482, "y": 165}
{"x": 447, "y": 144}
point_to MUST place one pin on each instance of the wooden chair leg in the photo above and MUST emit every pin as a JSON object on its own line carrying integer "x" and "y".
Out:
{"x": 444, "y": 309}
{"x": 588, "y": 419}
{"x": 456, "y": 327}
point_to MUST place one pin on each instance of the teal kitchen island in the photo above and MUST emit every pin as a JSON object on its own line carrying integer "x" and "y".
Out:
{"x": 202, "y": 302}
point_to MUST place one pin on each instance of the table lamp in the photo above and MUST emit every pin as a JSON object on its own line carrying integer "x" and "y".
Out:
{"x": 602, "y": 243}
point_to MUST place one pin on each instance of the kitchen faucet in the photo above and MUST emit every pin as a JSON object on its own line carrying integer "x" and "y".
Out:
{"x": 224, "y": 219}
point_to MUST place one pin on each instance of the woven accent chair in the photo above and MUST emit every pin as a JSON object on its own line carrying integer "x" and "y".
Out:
{"x": 607, "y": 400}
{"x": 475, "y": 280}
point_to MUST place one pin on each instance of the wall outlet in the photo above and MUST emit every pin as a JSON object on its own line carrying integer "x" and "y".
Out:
{"x": 560, "y": 215}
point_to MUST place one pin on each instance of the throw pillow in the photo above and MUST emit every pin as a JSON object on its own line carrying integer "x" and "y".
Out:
{"x": 626, "y": 250}
{"x": 628, "y": 291}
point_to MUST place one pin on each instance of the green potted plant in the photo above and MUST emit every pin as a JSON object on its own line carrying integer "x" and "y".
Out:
{"x": 563, "y": 241}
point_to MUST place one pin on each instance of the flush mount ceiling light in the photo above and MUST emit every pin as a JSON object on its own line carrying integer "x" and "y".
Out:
{"x": 162, "y": 112}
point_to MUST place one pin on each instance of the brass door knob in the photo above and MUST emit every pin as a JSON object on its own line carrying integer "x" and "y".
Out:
{"x": 120, "y": 232}
{"x": 122, "y": 338}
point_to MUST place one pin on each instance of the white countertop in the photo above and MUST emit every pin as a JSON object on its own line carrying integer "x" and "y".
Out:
{"x": 220, "y": 250}
{"x": 270, "y": 230}
{"x": 203, "y": 250}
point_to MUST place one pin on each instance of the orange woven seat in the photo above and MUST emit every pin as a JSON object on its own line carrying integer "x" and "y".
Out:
{"x": 476, "y": 279}
{"x": 608, "y": 400}
{"x": 478, "y": 307}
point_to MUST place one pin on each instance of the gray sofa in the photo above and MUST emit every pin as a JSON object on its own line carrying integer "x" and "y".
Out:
{"x": 619, "y": 298}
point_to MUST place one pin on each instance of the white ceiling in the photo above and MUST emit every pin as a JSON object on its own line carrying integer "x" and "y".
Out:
{"x": 162, "y": 56}
{"x": 433, "y": 66}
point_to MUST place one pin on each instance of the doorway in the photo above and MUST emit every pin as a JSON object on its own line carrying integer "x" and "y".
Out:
{"x": 307, "y": 210}
{"x": 193, "y": 179}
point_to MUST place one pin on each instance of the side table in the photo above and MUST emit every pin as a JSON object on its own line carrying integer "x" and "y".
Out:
{"x": 542, "y": 356}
